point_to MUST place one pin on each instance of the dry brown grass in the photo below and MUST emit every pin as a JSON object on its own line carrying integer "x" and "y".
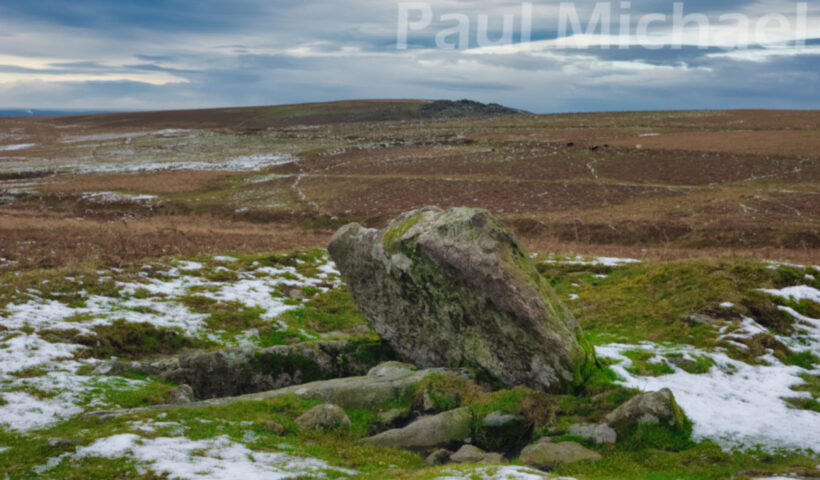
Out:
{"x": 143, "y": 182}
{"x": 36, "y": 241}
{"x": 774, "y": 142}
{"x": 713, "y": 183}
{"x": 551, "y": 244}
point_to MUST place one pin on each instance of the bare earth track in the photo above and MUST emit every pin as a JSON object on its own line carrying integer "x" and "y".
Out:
{"x": 655, "y": 184}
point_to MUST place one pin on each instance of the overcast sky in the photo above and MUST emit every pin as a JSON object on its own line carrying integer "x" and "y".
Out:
{"x": 161, "y": 54}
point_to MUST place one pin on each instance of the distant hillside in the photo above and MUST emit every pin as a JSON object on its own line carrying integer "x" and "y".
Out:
{"x": 250, "y": 118}
{"x": 28, "y": 112}
{"x": 465, "y": 108}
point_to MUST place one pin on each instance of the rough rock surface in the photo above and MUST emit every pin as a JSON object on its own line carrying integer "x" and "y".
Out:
{"x": 324, "y": 417}
{"x": 239, "y": 371}
{"x": 600, "y": 434}
{"x": 439, "y": 457}
{"x": 654, "y": 407}
{"x": 428, "y": 433}
{"x": 181, "y": 394}
{"x": 473, "y": 454}
{"x": 394, "y": 415}
{"x": 387, "y": 382}
{"x": 454, "y": 288}
{"x": 547, "y": 456}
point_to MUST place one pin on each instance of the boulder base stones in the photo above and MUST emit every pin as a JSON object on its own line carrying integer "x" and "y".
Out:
{"x": 472, "y": 454}
{"x": 600, "y": 434}
{"x": 454, "y": 288}
{"x": 239, "y": 371}
{"x": 546, "y": 456}
{"x": 428, "y": 433}
{"x": 439, "y": 457}
{"x": 181, "y": 394}
{"x": 324, "y": 417}
{"x": 654, "y": 407}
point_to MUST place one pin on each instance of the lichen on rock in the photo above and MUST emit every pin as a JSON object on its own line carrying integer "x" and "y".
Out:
{"x": 454, "y": 288}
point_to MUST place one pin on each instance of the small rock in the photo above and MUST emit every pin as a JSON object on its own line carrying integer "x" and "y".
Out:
{"x": 600, "y": 434}
{"x": 275, "y": 427}
{"x": 493, "y": 458}
{"x": 654, "y": 407}
{"x": 326, "y": 416}
{"x": 468, "y": 454}
{"x": 699, "y": 319}
{"x": 61, "y": 443}
{"x": 296, "y": 294}
{"x": 604, "y": 434}
{"x": 390, "y": 417}
{"x": 181, "y": 394}
{"x": 439, "y": 457}
{"x": 390, "y": 370}
{"x": 547, "y": 456}
{"x": 428, "y": 432}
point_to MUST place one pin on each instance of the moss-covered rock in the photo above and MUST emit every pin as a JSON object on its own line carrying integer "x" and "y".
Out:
{"x": 546, "y": 455}
{"x": 655, "y": 408}
{"x": 240, "y": 371}
{"x": 453, "y": 288}
{"x": 427, "y": 433}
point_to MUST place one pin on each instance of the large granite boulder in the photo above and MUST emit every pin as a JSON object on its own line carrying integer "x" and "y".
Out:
{"x": 454, "y": 288}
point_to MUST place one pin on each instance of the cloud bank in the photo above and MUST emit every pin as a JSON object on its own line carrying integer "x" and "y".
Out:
{"x": 159, "y": 54}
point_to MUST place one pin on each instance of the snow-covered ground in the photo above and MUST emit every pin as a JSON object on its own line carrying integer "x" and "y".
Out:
{"x": 219, "y": 458}
{"x": 112, "y": 197}
{"x": 499, "y": 473}
{"x": 154, "y": 296}
{"x": 245, "y": 163}
{"x": 735, "y": 403}
{"x": 14, "y": 148}
{"x": 580, "y": 260}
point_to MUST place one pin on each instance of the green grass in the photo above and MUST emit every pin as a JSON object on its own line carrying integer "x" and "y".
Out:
{"x": 643, "y": 365}
{"x": 634, "y": 303}
{"x": 329, "y": 311}
{"x": 646, "y": 301}
{"x": 130, "y": 340}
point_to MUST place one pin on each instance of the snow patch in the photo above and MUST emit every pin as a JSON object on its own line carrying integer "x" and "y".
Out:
{"x": 215, "y": 459}
{"x": 801, "y": 292}
{"x": 112, "y": 197}
{"x": 499, "y": 473}
{"x": 735, "y": 404}
{"x": 13, "y": 148}
{"x": 247, "y": 163}
{"x": 604, "y": 261}
{"x": 22, "y": 351}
